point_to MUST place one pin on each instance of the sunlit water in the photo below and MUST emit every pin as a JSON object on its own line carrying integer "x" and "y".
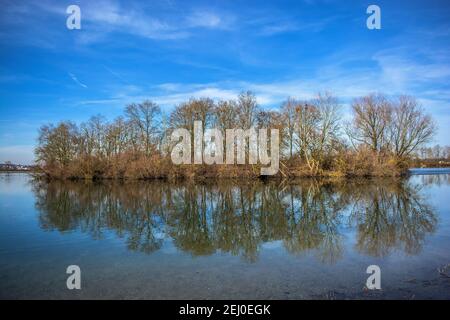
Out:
{"x": 154, "y": 240}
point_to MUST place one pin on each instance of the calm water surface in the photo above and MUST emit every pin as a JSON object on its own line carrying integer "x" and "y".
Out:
{"x": 309, "y": 239}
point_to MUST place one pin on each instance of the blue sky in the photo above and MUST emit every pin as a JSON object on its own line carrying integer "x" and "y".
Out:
{"x": 168, "y": 51}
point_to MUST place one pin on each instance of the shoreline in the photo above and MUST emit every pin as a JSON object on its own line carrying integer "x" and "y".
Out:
{"x": 278, "y": 177}
{"x": 330, "y": 175}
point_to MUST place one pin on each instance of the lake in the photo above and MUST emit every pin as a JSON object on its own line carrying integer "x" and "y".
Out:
{"x": 305, "y": 239}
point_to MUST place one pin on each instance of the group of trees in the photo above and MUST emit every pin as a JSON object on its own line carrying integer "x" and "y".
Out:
{"x": 381, "y": 137}
{"x": 398, "y": 127}
{"x": 436, "y": 152}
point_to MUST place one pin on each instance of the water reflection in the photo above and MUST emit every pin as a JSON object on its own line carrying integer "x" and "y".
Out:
{"x": 203, "y": 219}
{"x": 435, "y": 179}
{"x": 391, "y": 216}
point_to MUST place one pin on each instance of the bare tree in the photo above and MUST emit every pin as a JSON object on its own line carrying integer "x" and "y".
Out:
{"x": 57, "y": 145}
{"x": 447, "y": 152}
{"x": 144, "y": 116}
{"x": 288, "y": 110}
{"x": 187, "y": 113}
{"x": 328, "y": 124}
{"x": 226, "y": 115}
{"x": 307, "y": 119}
{"x": 92, "y": 136}
{"x": 116, "y": 137}
{"x": 316, "y": 129}
{"x": 437, "y": 151}
{"x": 372, "y": 115}
{"x": 410, "y": 128}
{"x": 248, "y": 109}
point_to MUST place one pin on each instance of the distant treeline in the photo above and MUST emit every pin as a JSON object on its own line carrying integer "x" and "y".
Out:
{"x": 8, "y": 166}
{"x": 431, "y": 157}
{"x": 382, "y": 137}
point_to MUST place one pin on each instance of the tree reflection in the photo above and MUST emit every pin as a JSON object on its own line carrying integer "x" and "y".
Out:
{"x": 202, "y": 219}
{"x": 391, "y": 216}
{"x": 435, "y": 179}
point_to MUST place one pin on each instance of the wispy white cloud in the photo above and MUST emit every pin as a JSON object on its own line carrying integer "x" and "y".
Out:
{"x": 103, "y": 17}
{"x": 209, "y": 19}
{"x": 111, "y": 16}
{"x": 392, "y": 73}
{"x": 205, "y": 19}
{"x": 403, "y": 71}
{"x": 285, "y": 26}
{"x": 115, "y": 74}
{"x": 277, "y": 28}
{"x": 75, "y": 79}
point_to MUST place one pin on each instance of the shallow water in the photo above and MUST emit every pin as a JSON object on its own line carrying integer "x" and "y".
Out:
{"x": 308, "y": 239}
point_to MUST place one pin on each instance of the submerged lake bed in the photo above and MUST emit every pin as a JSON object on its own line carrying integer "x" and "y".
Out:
{"x": 305, "y": 239}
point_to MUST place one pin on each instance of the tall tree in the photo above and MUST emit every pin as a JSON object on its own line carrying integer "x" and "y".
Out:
{"x": 247, "y": 109}
{"x": 226, "y": 115}
{"x": 57, "y": 145}
{"x": 372, "y": 116}
{"x": 144, "y": 117}
{"x": 409, "y": 128}
{"x": 328, "y": 124}
{"x": 288, "y": 110}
